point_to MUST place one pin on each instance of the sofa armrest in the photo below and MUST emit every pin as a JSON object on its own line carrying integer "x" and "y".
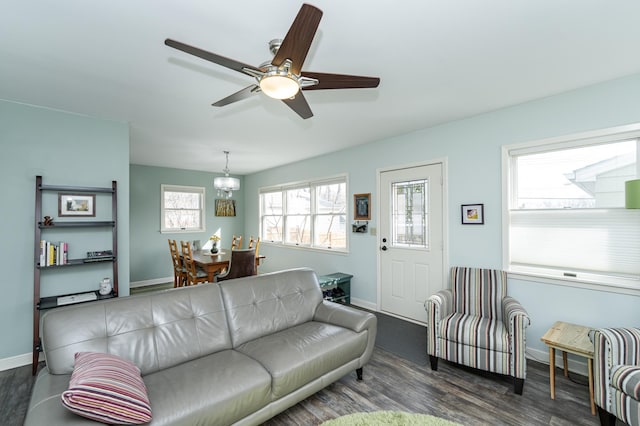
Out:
{"x": 344, "y": 316}
{"x": 626, "y": 378}
{"x": 438, "y": 306}
{"x": 517, "y": 320}
{"x": 511, "y": 309}
{"x": 354, "y": 319}
{"x": 612, "y": 347}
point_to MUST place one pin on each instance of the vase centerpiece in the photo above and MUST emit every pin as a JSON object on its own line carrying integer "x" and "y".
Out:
{"x": 214, "y": 243}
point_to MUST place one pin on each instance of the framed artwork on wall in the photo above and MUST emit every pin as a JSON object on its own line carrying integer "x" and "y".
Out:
{"x": 76, "y": 205}
{"x": 225, "y": 207}
{"x": 362, "y": 206}
{"x": 472, "y": 214}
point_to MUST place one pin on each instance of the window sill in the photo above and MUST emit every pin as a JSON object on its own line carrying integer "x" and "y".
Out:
{"x": 610, "y": 284}
{"x": 341, "y": 251}
{"x": 181, "y": 231}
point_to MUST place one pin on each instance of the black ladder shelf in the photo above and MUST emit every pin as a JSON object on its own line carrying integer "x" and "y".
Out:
{"x": 41, "y": 303}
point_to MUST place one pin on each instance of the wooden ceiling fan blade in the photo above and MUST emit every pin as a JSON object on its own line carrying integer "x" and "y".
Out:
{"x": 297, "y": 42}
{"x": 299, "y": 105}
{"x": 238, "y": 96}
{"x": 340, "y": 81}
{"x": 211, "y": 57}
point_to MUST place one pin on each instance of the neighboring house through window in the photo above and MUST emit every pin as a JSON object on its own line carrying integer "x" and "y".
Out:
{"x": 310, "y": 214}
{"x": 182, "y": 208}
{"x": 564, "y": 208}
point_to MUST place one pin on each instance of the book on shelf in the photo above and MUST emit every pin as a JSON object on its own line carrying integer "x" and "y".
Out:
{"x": 53, "y": 254}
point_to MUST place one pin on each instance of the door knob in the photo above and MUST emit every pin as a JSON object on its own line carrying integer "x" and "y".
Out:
{"x": 384, "y": 248}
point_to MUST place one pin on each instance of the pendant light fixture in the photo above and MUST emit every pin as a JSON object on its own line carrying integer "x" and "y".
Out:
{"x": 226, "y": 184}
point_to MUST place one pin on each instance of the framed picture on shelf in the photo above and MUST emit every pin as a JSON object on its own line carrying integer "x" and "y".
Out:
{"x": 473, "y": 214}
{"x": 76, "y": 204}
{"x": 361, "y": 206}
{"x": 225, "y": 207}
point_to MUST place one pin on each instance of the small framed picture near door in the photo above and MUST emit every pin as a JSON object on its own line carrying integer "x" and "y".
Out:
{"x": 362, "y": 206}
{"x": 473, "y": 214}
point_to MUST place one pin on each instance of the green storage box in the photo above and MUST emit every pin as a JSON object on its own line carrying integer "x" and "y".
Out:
{"x": 336, "y": 287}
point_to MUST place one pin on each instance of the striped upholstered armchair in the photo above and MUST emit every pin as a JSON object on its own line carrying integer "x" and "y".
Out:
{"x": 476, "y": 324}
{"x": 616, "y": 374}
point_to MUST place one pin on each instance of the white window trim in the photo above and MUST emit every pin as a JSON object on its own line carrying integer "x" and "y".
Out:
{"x": 181, "y": 188}
{"x": 339, "y": 178}
{"x": 612, "y": 284}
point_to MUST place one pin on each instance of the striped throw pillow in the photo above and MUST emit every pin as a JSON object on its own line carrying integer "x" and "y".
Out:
{"x": 108, "y": 389}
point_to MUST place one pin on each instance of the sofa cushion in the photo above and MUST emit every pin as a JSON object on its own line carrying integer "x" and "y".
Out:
{"x": 300, "y": 354}
{"x": 225, "y": 386}
{"x": 476, "y": 331}
{"x": 108, "y": 389}
{"x": 268, "y": 303}
{"x": 154, "y": 331}
{"x": 626, "y": 378}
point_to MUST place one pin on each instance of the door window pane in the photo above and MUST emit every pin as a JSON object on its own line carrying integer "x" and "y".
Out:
{"x": 409, "y": 213}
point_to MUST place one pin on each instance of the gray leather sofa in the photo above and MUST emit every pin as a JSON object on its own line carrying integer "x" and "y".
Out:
{"x": 236, "y": 352}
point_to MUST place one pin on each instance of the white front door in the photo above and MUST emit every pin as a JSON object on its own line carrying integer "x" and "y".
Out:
{"x": 410, "y": 239}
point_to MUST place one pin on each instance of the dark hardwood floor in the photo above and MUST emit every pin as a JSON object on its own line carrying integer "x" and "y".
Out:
{"x": 393, "y": 383}
{"x": 455, "y": 393}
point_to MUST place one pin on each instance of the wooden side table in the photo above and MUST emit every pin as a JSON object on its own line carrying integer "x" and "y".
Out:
{"x": 573, "y": 339}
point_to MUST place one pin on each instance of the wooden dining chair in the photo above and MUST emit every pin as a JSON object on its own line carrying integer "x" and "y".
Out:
{"x": 236, "y": 243}
{"x": 193, "y": 274}
{"x": 178, "y": 269}
{"x": 242, "y": 264}
{"x": 254, "y": 243}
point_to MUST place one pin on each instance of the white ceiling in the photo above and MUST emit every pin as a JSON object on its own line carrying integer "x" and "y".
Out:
{"x": 438, "y": 61}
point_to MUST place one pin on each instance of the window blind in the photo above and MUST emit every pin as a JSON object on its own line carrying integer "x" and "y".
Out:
{"x": 603, "y": 241}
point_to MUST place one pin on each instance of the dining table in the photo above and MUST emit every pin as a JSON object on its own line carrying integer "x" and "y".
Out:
{"x": 216, "y": 263}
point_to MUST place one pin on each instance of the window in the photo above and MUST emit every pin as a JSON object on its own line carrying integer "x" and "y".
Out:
{"x": 182, "y": 208}
{"x": 409, "y": 213}
{"x": 312, "y": 214}
{"x": 565, "y": 208}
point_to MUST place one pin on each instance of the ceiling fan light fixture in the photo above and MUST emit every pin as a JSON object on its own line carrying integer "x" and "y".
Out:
{"x": 279, "y": 86}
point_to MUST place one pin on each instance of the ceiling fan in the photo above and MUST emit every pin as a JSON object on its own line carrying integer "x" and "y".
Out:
{"x": 283, "y": 78}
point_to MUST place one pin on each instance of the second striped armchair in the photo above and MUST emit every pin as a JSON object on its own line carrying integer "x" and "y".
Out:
{"x": 476, "y": 324}
{"x": 616, "y": 374}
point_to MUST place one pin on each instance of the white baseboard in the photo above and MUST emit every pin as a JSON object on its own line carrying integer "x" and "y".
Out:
{"x": 17, "y": 361}
{"x": 151, "y": 282}
{"x": 574, "y": 365}
{"x": 364, "y": 304}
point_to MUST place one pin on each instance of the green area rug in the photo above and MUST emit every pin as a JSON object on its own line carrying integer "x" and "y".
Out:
{"x": 390, "y": 418}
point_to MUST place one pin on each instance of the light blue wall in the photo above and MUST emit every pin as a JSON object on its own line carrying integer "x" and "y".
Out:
{"x": 66, "y": 149}
{"x": 77, "y": 150}
{"x": 472, "y": 149}
{"x": 149, "y": 248}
